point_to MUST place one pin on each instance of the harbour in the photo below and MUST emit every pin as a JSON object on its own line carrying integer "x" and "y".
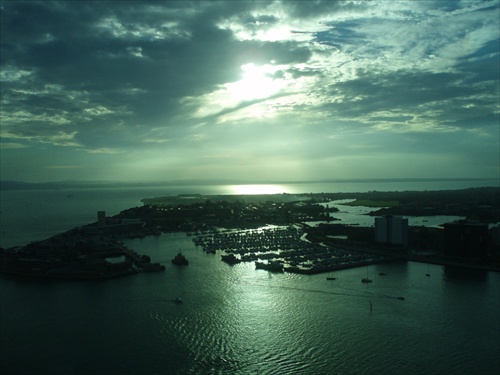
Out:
{"x": 231, "y": 317}
{"x": 285, "y": 249}
{"x": 243, "y": 320}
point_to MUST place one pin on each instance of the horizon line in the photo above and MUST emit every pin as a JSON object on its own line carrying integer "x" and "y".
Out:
{"x": 245, "y": 182}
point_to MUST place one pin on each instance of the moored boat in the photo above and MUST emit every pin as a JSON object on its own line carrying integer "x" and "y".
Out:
{"x": 230, "y": 259}
{"x": 271, "y": 266}
{"x": 180, "y": 260}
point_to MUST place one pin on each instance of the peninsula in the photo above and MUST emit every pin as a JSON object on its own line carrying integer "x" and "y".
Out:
{"x": 80, "y": 253}
{"x": 270, "y": 230}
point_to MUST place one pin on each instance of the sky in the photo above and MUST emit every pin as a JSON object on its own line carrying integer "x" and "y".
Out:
{"x": 249, "y": 90}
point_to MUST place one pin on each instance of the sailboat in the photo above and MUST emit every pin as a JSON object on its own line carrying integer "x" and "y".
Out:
{"x": 366, "y": 279}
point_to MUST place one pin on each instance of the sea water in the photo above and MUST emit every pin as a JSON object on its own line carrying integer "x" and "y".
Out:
{"x": 236, "y": 319}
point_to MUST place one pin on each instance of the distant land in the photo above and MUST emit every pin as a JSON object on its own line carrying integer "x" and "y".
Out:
{"x": 53, "y": 185}
{"x": 215, "y": 222}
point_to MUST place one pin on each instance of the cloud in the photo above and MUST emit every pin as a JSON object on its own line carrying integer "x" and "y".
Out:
{"x": 155, "y": 78}
{"x": 63, "y": 167}
{"x": 11, "y": 145}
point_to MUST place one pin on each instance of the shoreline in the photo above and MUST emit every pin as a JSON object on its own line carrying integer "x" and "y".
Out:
{"x": 81, "y": 252}
{"x": 74, "y": 276}
{"x": 452, "y": 262}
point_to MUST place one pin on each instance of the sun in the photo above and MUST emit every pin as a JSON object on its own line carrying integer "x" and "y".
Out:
{"x": 257, "y": 83}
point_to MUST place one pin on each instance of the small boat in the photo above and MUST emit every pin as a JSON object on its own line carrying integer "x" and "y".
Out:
{"x": 331, "y": 278}
{"x": 366, "y": 279}
{"x": 382, "y": 274}
{"x": 178, "y": 300}
{"x": 401, "y": 298}
{"x": 272, "y": 266}
{"x": 230, "y": 259}
{"x": 180, "y": 260}
{"x": 427, "y": 274}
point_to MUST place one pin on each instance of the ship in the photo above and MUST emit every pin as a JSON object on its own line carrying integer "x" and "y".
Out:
{"x": 180, "y": 260}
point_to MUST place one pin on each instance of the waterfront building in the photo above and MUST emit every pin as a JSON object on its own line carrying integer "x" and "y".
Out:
{"x": 466, "y": 239}
{"x": 495, "y": 243}
{"x": 391, "y": 230}
{"x": 113, "y": 225}
{"x": 495, "y": 235}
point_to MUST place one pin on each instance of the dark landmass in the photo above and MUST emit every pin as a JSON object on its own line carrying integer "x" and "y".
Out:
{"x": 481, "y": 204}
{"x": 206, "y": 213}
{"x": 232, "y": 225}
{"x": 79, "y": 253}
{"x": 58, "y": 185}
{"x": 83, "y": 184}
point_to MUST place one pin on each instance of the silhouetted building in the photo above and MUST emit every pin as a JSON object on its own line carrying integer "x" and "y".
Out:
{"x": 466, "y": 239}
{"x": 495, "y": 242}
{"x": 113, "y": 225}
{"x": 391, "y": 230}
{"x": 495, "y": 235}
{"x": 101, "y": 218}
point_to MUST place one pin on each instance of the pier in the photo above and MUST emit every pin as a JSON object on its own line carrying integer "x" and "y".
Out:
{"x": 143, "y": 262}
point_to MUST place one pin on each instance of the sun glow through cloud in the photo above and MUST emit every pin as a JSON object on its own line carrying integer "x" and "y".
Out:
{"x": 257, "y": 83}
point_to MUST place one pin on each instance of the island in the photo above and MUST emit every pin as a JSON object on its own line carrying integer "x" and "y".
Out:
{"x": 273, "y": 232}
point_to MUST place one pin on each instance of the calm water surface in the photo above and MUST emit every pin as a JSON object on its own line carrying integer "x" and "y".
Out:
{"x": 241, "y": 320}
{"x": 238, "y": 320}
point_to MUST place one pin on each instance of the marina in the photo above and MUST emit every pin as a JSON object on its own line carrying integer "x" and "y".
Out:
{"x": 239, "y": 319}
{"x": 285, "y": 249}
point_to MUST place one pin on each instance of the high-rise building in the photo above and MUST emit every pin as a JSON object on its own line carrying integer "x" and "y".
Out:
{"x": 391, "y": 230}
{"x": 466, "y": 239}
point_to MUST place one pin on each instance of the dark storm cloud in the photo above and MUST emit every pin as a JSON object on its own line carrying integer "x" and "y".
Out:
{"x": 136, "y": 62}
{"x": 99, "y": 53}
{"x": 420, "y": 93}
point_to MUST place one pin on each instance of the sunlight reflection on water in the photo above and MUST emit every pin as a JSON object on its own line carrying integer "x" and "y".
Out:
{"x": 258, "y": 189}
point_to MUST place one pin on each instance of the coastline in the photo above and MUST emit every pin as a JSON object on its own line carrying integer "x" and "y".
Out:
{"x": 453, "y": 262}
{"x": 72, "y": 276}
{"x": 196, "y": 213}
